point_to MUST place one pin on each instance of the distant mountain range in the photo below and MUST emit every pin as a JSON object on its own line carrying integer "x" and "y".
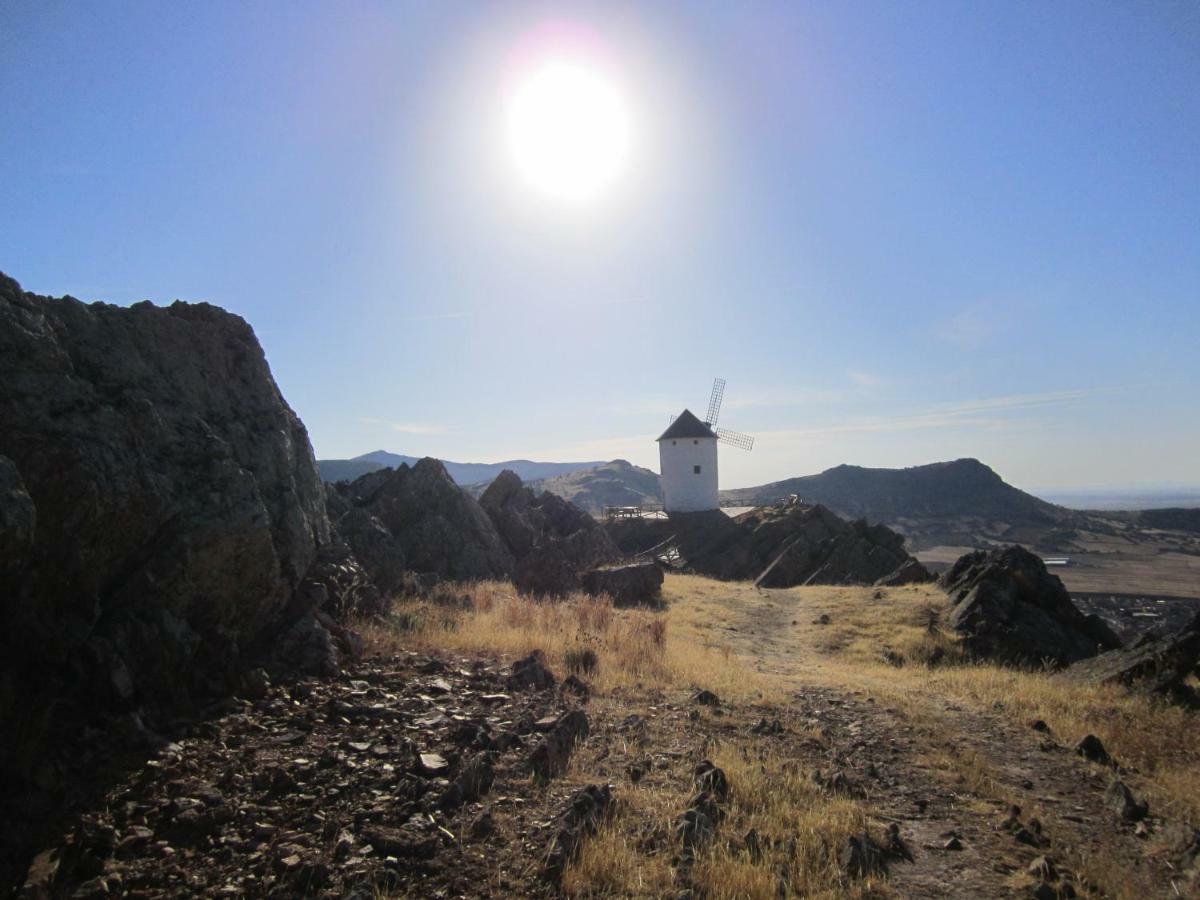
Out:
{"x": 334, "y": 470}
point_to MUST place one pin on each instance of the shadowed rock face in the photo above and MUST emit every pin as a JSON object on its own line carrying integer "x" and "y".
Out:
{"x": 1006, "y": 606}
{"x": 418, "y": 520}
{"x": 176, "y": 502}
{"x": 786, "y": 545}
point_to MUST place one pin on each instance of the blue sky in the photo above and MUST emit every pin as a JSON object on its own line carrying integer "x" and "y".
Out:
{"x": 903, "y": 232}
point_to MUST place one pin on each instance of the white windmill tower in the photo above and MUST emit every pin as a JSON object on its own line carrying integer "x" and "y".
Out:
{"x": 687, "y": 456}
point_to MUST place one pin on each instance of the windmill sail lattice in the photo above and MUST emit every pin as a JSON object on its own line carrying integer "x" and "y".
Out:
{"x": 735, "y": 438}
{"x": 714, "y": 402}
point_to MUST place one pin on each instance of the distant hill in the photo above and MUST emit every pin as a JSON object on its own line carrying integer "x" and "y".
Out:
{"x": 616, "y": 483}
{"x": 463, "y": 473}
{"x": 964, "y": 487}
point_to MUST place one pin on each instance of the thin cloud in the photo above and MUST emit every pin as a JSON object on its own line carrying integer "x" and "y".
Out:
{"x": 420, "y": 428}
{"x": 436, "y": 317}
{"x": 992, "y": 413}
{"x": 968, "y": 329}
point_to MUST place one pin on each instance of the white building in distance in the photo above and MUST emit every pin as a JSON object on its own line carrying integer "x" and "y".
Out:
{"x": 687, "y": 459}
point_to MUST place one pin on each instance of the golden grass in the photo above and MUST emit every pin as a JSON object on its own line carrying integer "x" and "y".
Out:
{"x": 926, "y": 670}
{"x": 800, "y": 828}
{"x": 633, "y": 648}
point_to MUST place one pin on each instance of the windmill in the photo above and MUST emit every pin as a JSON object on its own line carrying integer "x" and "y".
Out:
{"x": 687, "y": 455}
{"x": 733, "y": 438}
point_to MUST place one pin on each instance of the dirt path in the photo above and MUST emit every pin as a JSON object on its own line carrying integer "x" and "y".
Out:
{"x": 941, "y": 771}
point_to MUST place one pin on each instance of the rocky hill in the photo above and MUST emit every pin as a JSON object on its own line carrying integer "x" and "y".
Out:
{"x": 334, "y": 470}
{"x": 963, "y": 487}
{"x": 615, "y": 483}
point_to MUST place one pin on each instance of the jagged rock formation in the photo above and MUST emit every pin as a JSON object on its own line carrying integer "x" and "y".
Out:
{"x": 552, "y": 540}
{"x": 781, "y": 546}
{"x": 815, "y": 546}
{"x": 160, "y": 508}
{"x": 1155, "y": 663}
{"x": 418, "y": 520}
{"x": 1006, "y": 606}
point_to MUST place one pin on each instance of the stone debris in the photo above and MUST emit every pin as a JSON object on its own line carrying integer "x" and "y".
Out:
{"x": 319, "y": 787}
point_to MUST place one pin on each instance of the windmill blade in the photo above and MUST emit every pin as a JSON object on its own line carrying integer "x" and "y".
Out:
{"x": 714, "y": 402}
{"x": 735, "y": 439}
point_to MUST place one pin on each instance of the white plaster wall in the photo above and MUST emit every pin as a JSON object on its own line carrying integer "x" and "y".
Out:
{"x": 683, "y": 489}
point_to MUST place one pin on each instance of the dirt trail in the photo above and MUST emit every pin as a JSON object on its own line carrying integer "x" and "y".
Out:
{"x": 940, "y": 771}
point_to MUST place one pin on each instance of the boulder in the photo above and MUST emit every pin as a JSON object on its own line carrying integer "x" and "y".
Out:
{"x": 1155, "y": 663}
{"x": 910, "y": 571}
{"x": 1004, "y": 605}
{"x": 637, "y": 584}
{"x": 177, "y": 509}
{"x": 552, "y": 540}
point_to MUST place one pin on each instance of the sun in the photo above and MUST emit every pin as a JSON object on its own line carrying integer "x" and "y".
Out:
{"x": 568, "y": 130}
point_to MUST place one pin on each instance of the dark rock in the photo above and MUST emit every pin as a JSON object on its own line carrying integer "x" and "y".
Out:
{"x": 434, "y": 525}
{"x": 1121, "y": 801}
{"x": 1157, "y": 664}
{"x": 637, "y": 584}
{"x": 1043, "y": 868}
{"x": 405, "y": 843}
{"x": 694, "y": 829}
{"x": 911, "y": 571}
{"x": 712, "y": 779}
{"x": 706, "y": 698}
{"x": 482, "y": 825}
{"x": 17, "y": 524}
{"x": 861, "y": 857}
{"x": 587, "y": 810}
{"x": 1092, "y": 749}
{"x": 375, "y": 548}
{"x": 551, "y": 755}
{"x": 256, "y": 683}
{"x": 1006, "y": 606}
{"x": 577, "y": 688}
{"x": 472, "y": 782}
{"x": 530, "y": 673}
{"x": 552, "y": 540}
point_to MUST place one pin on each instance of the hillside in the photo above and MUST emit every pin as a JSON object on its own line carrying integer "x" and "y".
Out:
{"x": 957, "y": 488}
{"x": 616, "y": 483}
{"x": 333, "y": 470}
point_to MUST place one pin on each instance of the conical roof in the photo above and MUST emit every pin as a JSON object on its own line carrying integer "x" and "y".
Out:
{"x": 686, "y": 425}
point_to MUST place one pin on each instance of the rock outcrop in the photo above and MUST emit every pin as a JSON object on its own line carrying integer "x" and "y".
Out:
{"x": 635, "y": 584}
{"x": 779, "y": 546}
{"x": 159, "y": 509}
{"x": 1006, "y": 606}
{"x": 1154, "y": 663}
{"x": 417, "y": 519}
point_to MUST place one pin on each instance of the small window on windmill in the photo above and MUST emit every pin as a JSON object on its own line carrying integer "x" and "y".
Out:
{"x": 696, "y": 441}
{"x": 673, "y": 443}
{"x": 695, "y": 470}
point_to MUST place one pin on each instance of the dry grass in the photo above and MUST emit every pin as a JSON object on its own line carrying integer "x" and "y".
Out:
{"x": 885, "y": 646}
{"x": 631, "y": 649}
{"x": 800, "y": 830}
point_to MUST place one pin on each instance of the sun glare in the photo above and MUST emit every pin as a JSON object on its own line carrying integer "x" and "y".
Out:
{"x": 568, "y": 130}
